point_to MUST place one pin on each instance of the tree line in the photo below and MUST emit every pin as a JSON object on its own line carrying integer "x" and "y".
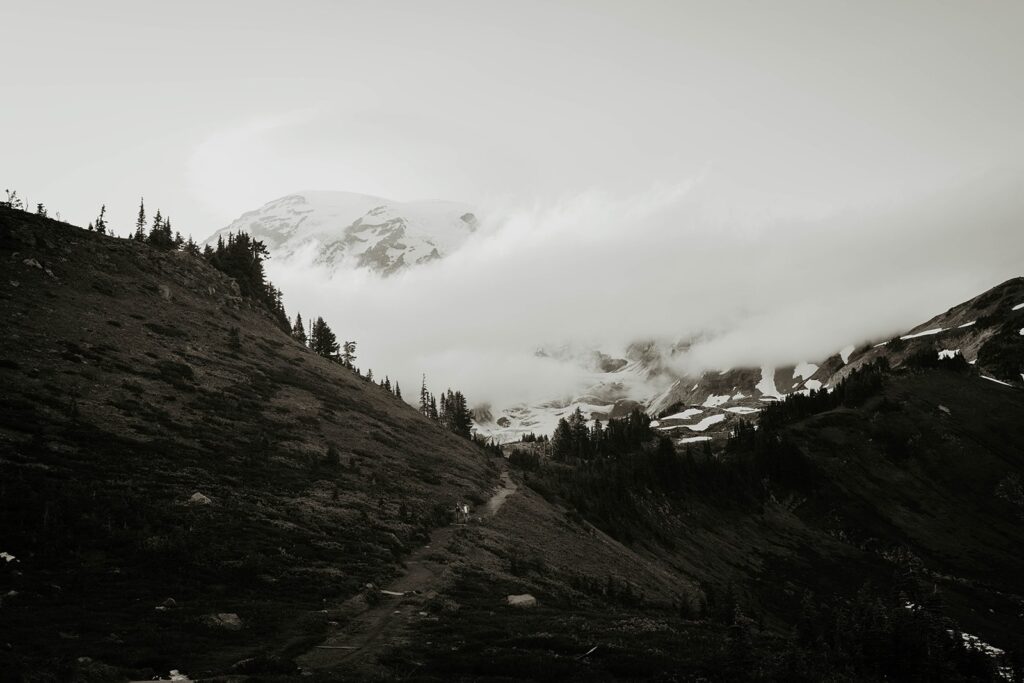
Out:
{"x": 451, "y": 412}
{"x": 573, "y": 439}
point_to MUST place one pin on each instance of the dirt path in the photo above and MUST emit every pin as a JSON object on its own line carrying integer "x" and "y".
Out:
{"x": 369, "y": 632}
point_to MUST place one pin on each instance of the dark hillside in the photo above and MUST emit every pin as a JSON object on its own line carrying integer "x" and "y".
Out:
{"x": 855, "y": 543}
{"x": 164, "y": 457}
{"x": 930, "y": 467}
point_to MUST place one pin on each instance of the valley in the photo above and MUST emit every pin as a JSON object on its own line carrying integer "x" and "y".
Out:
{"x": 170, "y": 503}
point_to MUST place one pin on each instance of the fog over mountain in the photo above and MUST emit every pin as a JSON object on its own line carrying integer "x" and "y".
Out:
{"x": 600, "y": 271}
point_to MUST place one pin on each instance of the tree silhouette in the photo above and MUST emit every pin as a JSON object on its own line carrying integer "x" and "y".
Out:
{"x": 323, "y": 340}
{"x": 298, "y": 331}
{"x": 140, "y": 223}
{"x": 101, "y": 221}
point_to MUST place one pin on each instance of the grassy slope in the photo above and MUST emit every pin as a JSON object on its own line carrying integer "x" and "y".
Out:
{"x": 122, "y": 398}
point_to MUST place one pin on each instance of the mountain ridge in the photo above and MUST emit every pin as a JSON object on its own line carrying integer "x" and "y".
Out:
{"x": 984, "y": 329}
{"x": 350, "y": 230}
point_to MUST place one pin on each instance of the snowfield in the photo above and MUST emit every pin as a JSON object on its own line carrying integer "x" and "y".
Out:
{"x": 767, "y": 384}
{"x": 926, "y": 333}
{"x": 714, "y": 400}
{"x": 742, "y": 410}
{"x": 707, "y": 422}
{"x": 804, "y": 370}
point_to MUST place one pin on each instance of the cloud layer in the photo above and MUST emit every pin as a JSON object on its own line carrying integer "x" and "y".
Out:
{"x": 768, "y": 284}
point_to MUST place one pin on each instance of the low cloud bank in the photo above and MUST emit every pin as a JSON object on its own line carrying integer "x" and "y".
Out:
{"x": 762, "y": 284}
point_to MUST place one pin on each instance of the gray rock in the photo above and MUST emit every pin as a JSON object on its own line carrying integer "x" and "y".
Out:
{"x": 165, "y": 292}
{"x": 199, "y": 499}
{"x": 229, "y": 621}
{"x": 524, "y": 600}
{"x": 32, "y": 263}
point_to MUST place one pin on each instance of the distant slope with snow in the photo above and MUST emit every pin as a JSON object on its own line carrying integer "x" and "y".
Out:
{"x": 987, "y": 330}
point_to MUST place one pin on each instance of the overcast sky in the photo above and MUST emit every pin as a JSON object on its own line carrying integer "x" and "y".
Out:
{"x": 814, "y": 132}
{"x": 213, "y": 108}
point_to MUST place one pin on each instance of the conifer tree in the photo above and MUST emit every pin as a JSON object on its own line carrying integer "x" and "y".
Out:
{"x": 454, "y": 414}
{"x": 157, "y": 237}
{"x": 101, "y": 221}
{"x": 562, "y": 446}
{"x": 40, "y": 210}
{"x": 398, "y": 390}
{"x": 298, "y": 330}
{"x": 369, "y": 375}
{"x": 140, "y": 222}
{"x": 424, "y": 398}
{"x": 323, "y": 340}
{"x": 387, "y": 383}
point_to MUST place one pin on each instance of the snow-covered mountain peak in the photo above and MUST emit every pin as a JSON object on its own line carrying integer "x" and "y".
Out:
{"x": 346, "y": 229}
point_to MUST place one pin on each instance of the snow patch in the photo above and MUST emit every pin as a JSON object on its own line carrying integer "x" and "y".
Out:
{"x": 707, "y": 422}
{"x": 845, "y": 353}
{"x": 973, "y": 642}
{"x": 1017, "y": 307}
{"x": 767, "y": 384}
{"x": 693, "y": 439}
{"x": 804, "y": 370}
{"x": 7, "y": 557}
{"x": 926, "y": 333}
{"x": 715, "y": 400}
{"x": 948, "y": 353}
{"x": 738, "y": 395}
{"x": 742, "y": 410}
{"x": 813, "y": 384}
{"x": 967, "y": 324}
{"x": 997, "y": 381}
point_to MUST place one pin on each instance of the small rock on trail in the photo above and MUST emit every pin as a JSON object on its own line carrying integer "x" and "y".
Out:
{"x": 524, "y": 600}
{"x": 228, "y": 621}
{"x": 199, "y": 499}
